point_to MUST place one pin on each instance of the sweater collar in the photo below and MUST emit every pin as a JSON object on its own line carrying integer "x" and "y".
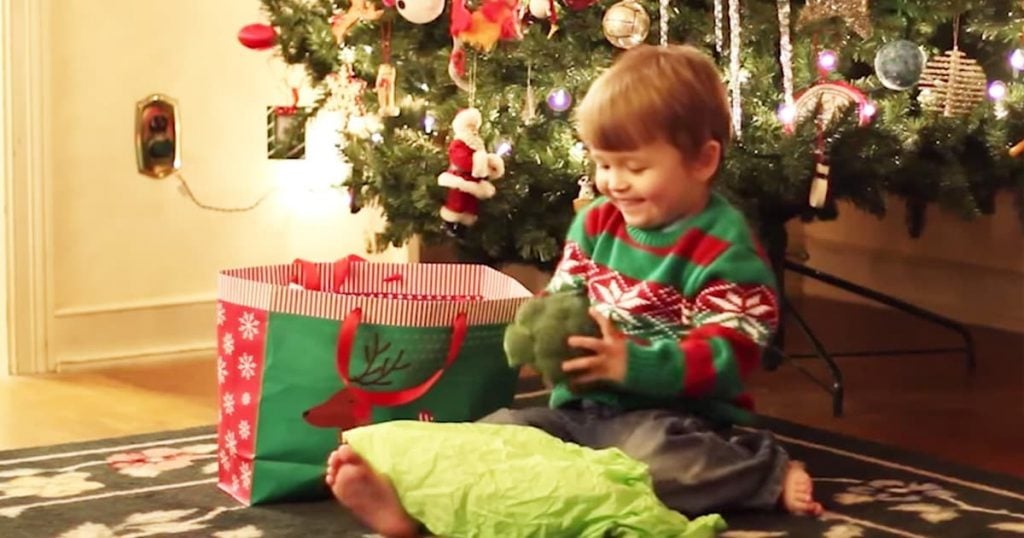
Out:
{"x": 670, "y": 233}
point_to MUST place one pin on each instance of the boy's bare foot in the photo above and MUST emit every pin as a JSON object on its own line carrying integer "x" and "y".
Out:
{"x": 368, "y": 495}
{"x": 797, "y": 492}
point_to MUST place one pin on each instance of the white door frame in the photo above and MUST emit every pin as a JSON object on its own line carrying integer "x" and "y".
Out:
{"x": 24, "y": 133}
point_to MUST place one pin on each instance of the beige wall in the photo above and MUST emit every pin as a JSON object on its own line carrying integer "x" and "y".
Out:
{"x": 6, "y": 170}
{"x": 133, "y": 261}
{"x": 970, "y": 271}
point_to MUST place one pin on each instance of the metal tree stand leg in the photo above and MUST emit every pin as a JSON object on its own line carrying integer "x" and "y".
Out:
{"x": 836, "y": 388}
{"x": 967, "y": 349}
{"x": 777, "y": 240}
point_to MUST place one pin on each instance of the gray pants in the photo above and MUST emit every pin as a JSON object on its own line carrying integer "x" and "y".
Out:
{"x": 694, "y": 470}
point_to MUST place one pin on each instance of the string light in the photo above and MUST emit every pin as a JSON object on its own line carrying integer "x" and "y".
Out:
{"x": 867, "y": 113}
{"x": 997, "y": 90}
{"x": 787, "y": 113}
{"x": 828, "y": 60}
{"x": 1017, "y": 60}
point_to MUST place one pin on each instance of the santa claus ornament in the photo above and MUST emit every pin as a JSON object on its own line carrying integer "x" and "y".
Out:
{"x": 470, "y": 167}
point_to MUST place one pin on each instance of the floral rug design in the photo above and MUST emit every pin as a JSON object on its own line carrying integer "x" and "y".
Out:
{"x": 165, "y": 485}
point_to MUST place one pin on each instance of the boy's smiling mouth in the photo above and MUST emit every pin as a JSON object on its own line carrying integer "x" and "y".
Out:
{"x": 627, "y": 201}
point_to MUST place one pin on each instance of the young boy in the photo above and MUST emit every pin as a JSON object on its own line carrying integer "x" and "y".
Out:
{"x": 684, "y": 301}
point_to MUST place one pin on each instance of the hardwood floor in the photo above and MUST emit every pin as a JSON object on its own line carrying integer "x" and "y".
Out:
{"x": 928, "y": 404}
{"x": 106, "y": 403}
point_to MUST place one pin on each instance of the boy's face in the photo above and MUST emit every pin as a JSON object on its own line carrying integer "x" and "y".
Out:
{"x": 655, "y": 185}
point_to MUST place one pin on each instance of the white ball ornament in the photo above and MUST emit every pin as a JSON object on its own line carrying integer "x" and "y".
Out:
{"x": 420, "y": 11}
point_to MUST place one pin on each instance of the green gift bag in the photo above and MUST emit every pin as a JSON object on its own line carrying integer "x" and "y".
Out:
{"x": 307, "y": 350}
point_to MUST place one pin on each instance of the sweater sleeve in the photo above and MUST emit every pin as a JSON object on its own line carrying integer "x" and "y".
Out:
{"x": 575, "y": 266}
{"x": 731, "y": 313}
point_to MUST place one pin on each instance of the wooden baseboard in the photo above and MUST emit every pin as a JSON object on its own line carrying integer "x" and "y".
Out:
{"x": 141, "y": 357}
{"x": 966, "y": 292}
{"x": 162, "y": 329}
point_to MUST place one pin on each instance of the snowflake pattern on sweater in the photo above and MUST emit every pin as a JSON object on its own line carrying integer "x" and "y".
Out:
{"x": 751, "y": 310}
{"x": 698, "y": 302}
{"x": 648, "y": 310}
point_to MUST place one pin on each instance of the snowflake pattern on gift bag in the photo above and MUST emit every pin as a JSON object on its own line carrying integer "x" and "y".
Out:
{"x": 241, "y": 332}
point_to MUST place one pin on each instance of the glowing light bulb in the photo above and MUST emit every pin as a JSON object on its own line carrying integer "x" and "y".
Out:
{"x": 504, "y": 148}
{"x": 429, "y": 123}
{"x": 997, "y": 90}
{"x": 787, "y": 114}
{"x": 1017, "y": 60}
{"x": 867, "y": 113}
{"x": 828, "y": 60}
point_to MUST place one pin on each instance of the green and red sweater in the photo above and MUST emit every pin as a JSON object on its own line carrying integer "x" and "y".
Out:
{"x": 696, "y": 299}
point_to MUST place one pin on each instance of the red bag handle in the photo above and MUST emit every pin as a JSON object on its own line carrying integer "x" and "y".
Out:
{"x": 307, "y": 274}
{"x": 347, "y": 339}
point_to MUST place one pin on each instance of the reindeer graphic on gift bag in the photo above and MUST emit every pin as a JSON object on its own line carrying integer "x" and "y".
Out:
{"x": 352, "y": 406}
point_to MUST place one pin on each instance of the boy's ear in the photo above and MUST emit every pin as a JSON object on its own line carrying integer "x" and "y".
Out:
{"x": 708, "y": 160}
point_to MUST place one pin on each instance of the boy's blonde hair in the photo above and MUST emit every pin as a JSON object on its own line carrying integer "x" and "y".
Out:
{"x": 672, "y": 93}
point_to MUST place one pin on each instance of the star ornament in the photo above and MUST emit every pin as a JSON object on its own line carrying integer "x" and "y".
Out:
{"x": 855, "y": 13}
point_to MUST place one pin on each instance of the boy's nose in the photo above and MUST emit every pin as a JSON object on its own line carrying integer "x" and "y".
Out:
{"x": 617, "y": 182}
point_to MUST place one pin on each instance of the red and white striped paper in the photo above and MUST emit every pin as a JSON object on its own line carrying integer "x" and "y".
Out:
{"x": 413, "y": 295}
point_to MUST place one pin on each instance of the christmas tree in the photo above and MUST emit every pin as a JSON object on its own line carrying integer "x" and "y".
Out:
{"x": 833, "y": 100}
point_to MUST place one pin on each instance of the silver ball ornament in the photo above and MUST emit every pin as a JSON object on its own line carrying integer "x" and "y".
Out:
{"x": 899, "y": 64}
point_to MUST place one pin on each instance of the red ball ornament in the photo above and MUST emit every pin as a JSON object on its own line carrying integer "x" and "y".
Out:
{"x": 257, "y": 36}
{"x": 579, "y": 5}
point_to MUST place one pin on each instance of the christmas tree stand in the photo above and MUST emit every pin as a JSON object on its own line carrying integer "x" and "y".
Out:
{"x": 776, "y": 353}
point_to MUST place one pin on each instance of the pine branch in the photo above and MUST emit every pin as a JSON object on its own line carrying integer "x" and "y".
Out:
{"x": 906, "y": 152}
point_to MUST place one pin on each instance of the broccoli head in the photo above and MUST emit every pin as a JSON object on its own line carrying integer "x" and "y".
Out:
{"x": 538, "y": 335}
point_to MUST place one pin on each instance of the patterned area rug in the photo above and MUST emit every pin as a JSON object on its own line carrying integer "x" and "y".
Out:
{"x": 164, "y": 485}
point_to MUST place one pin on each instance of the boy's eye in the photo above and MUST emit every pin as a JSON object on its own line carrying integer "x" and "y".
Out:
{"x": 636, "y": 169}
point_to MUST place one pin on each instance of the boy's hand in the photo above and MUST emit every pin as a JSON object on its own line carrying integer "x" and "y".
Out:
{"x": 608, "y": 363}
